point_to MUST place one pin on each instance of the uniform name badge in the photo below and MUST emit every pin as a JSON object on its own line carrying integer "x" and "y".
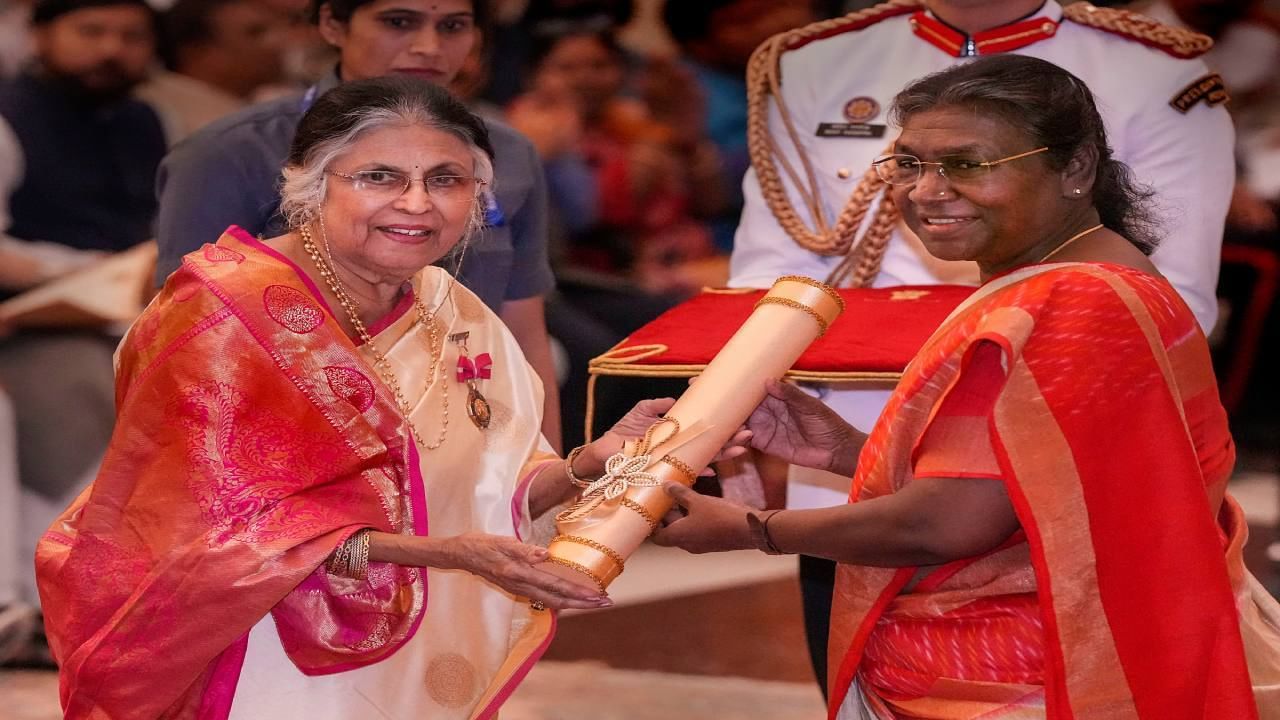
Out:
{"x": 857, "y": 112}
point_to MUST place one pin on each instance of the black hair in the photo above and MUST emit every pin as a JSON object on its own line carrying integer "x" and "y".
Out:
{"x": 342, "y": 11}
{"x": 187, "y": 23}
{"x": 690, "y": 20}
{"x": 1054, "y": 109}
{"x": 545, "y": 35}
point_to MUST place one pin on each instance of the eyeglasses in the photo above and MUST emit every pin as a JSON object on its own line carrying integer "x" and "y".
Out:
{"x": 390, "y": 184}
{"x": 906, "y": 169}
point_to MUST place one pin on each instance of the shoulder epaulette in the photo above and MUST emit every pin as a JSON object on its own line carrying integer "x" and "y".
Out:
{"x": 849, "y": 23}
{"x": 1177, "y": 42}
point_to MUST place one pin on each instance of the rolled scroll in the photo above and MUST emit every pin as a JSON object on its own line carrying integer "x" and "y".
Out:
{"x": 616, "y": 513}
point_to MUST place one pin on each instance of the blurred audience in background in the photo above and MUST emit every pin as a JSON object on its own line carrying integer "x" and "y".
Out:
{"x": 632, "y": 178}
{"x": 636, "y": 110}
{"x": 218, "y": 55}
{"x": 716, "y": 39}
{"x": 78, "y": 157}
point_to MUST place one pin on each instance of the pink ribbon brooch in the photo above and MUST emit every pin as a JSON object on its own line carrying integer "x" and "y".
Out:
{"x": 480, "y": 369}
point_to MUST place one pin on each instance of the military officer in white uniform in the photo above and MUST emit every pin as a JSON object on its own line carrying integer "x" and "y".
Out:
{"x": 1163, "y": 112}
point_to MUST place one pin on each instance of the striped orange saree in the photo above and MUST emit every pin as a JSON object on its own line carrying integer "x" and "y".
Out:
{"x": 1087, "y": 391}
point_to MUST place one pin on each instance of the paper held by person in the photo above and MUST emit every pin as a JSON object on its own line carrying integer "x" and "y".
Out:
{"x": 620, "y": 510}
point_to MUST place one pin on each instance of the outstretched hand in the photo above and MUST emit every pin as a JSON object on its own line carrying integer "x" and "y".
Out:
{"x": 702, "y": 524}
{"x": 801, "y": 429}
{"x": 510, "y": 565}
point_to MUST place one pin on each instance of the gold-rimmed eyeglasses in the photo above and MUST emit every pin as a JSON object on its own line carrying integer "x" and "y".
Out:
{"x": 391, "y": 184}
{"x": 900, "y": 169}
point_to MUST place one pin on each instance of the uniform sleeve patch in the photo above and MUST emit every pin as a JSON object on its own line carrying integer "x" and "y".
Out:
{"x": 1209, "y": 89}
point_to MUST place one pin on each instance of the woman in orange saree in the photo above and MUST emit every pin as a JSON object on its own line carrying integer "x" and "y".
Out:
{"x": 325, "y": 459}
{"x": 1039, "y": 524}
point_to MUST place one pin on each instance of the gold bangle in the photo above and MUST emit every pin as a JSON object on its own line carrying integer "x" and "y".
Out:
{"x": 568, "y": 467}
{"x": 597, "y": 546}
{"x": 359, "y": 567}
{"x": 640, "y": 510}
{"x": 351, "y": 559}
{"x": 579, "y": 568}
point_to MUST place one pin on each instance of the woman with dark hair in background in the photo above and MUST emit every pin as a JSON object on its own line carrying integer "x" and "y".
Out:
{"x": 1039, "y": 524}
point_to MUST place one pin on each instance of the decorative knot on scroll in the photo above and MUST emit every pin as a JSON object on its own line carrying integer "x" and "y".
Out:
{"x": 623, "y": 471}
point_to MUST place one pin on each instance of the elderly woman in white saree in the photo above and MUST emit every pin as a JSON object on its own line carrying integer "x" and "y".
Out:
{"x": 328, "y": 461}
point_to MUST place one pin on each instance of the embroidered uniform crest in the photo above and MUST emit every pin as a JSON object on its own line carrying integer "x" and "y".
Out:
{"x": 1209, "y": 89}
{"x": 861, "y": 109}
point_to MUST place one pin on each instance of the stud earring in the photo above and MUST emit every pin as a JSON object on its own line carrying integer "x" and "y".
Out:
{"x": 1078, "y": 191}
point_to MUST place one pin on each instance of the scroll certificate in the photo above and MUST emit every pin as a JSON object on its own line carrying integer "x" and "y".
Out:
{"x": 621, "y": 509}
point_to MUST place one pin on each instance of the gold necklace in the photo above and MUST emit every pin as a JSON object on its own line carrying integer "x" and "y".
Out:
{"x": 380, "y": 362}
{"x": 1067, "y": 242}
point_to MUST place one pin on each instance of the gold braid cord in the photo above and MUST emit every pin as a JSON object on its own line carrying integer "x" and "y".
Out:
{"x": 764, "y": 81}
{"x": 1175, "y": 41}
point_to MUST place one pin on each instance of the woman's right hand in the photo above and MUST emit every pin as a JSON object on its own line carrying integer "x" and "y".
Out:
{"x": 511, "y": 565}
{"x": 801, "y": 429}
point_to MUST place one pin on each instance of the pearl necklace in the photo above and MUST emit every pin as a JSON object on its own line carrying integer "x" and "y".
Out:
{"x": 380, "y": 362}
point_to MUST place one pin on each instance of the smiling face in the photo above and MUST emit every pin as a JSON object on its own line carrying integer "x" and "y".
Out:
{"x": 1011, "y": 215}
{"x": 387, "y": 238}
{"x": 429, "y": 39}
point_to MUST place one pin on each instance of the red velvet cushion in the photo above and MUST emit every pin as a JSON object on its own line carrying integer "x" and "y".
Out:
{"x": 879, "y": 331}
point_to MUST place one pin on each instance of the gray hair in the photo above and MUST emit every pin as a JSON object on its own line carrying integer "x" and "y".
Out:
{"x": 351, "y": 110}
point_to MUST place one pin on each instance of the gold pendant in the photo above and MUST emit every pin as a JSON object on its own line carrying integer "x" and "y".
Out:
{"x": 477, "y": 407}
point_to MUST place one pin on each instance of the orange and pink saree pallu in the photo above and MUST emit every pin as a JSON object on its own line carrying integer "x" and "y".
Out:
{"x": 252, "y": 438}
{"x": 1125, "y": 594}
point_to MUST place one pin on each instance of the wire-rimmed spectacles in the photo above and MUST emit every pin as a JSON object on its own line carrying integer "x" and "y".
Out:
{"x": 391, "y": 184}
{"x": 902, "y": 169}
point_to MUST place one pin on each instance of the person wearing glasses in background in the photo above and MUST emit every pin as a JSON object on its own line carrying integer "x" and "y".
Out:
{"x": 1039, "y": 524}
{"x": 1164, "y": 112}
{"x": 327, "y": 454}
{"x": 227, "y": 173}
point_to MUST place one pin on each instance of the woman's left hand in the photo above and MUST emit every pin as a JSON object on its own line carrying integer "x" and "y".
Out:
{"x": 637, "y": 421}
{"x": 702, "y": 524}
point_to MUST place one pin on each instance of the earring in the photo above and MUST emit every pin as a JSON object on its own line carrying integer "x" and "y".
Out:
{"x": 942, "y": 193}
{"x": 1078, "y": 191}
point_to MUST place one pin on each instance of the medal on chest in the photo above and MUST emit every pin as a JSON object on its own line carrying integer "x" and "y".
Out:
{"x": 470, "y": 373}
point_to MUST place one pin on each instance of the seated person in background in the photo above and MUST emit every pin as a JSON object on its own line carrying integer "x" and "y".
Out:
{"x": 1039, "y": 524}
{"x": 78, "y": 159}
{"x": 645, "y": 178}
{"x": 228, "y": 172}
{"x": 309, "y": 512}
{"x": 219, "y": 53}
